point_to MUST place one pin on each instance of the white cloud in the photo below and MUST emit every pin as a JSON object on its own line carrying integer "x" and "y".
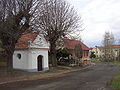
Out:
{"x": 98, "y": 16}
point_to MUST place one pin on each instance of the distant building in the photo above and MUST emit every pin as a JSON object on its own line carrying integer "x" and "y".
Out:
{"x": 31, "y": 52}
{"x": 116, "y": 50}
{"x": 70, "y": 44}
{"x": 99, "y": 51}
{"x": 96, "y": 50}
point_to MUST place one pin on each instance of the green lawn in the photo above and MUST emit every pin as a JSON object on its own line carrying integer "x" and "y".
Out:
{"x": 95, "y": 60}
{"x": 116, "y": 63}
{"x": 115, "y": 84}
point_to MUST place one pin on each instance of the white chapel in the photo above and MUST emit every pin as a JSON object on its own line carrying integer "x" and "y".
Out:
{"x": 31, "y": 53}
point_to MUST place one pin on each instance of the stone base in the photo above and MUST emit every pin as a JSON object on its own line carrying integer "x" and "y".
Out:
{"x": 34, "y": 70}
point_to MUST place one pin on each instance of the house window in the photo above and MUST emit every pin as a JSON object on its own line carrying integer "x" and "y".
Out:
{"x": 19, "y": 56}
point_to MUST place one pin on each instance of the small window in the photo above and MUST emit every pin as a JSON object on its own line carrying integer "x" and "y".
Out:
{"x": 19, "y": 56}
{"x": 40, "y": 39}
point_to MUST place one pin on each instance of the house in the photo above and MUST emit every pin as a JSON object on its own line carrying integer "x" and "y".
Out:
{"x": 116, "y": 50}
{"x": 31, "y": 52}
{"x": 99, "y": 50}
{"x": 70, "y": 44}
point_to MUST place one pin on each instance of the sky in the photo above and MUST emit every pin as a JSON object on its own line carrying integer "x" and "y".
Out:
{"x": 98, "y": 17}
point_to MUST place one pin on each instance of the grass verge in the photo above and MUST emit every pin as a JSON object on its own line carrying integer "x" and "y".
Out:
{"x": 116, "y": 63}
{"x": 95, "y": 60}
{"x": 115, "y": 83}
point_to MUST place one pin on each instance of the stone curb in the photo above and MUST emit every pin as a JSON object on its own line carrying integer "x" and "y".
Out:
{"x": 48, "y": 75}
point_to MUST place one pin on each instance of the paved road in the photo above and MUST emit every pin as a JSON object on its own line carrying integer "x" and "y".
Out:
{"x": 93, "y": 78}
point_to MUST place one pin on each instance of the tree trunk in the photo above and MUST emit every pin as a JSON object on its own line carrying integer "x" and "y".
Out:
{"x": 9, "y": 50}
{"x": 9, "y": 58}
{"x": 53, "y": 54}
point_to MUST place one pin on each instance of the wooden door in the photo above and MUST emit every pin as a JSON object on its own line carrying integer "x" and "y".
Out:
{"x": 40, "y": 62}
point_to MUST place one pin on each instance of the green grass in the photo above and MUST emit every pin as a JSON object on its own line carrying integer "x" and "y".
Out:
{"x": 95, "y": 60}
{"x": 115, "y": 83}
{"x": 116, "y": 63}
{"x": 3, "y": 63}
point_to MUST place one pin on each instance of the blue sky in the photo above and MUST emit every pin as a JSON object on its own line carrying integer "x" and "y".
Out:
{"x": 98, "y": 16}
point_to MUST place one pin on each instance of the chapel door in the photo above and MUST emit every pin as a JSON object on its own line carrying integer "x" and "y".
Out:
{"x": 40, "y": 62}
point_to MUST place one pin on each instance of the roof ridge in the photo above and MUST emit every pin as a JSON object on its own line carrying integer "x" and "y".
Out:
{"x": 71, "y": 43}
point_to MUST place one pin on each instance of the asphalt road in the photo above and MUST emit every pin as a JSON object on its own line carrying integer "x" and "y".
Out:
{"x": 93, "y": 78}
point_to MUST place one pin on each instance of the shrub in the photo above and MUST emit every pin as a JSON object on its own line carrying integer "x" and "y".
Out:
{"x": 63, "y": 53}
{"x": 92, "y": 55}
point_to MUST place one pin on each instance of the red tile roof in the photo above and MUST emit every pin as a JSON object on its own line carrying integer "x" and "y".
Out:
{"x": 113, "y": 46}
{"x": 24, "y": 39}
{"x": 116, "y": 46}
{"x": 91, "y": 48}
{"x": 71, "y": 44}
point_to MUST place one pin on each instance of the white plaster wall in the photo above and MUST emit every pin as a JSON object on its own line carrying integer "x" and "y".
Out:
{"x": 116, "y": 52}
{"x": 97, "y": 51}
{"x": 39, "y": 42}
{"x": 29, "y": 56}
{"x": 29, "y": 60}
{"x": 33, "y": 58}
{"x": 20, "y": 63}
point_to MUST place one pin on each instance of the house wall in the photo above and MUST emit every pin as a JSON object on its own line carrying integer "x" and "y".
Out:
{"x": 97, "y": 51}
{"x": 29, "y": 60}
{"x": 85, "y": 53}
{"x": 116, "y": 51}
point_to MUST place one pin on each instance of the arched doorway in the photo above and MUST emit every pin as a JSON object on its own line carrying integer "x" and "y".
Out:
{"x": 39, "y": 58}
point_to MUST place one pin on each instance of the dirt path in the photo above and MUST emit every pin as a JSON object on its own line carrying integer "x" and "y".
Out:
{"x": 93, "y": 78}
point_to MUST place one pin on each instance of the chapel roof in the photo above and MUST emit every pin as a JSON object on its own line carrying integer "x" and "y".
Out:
{"x": 23, "y": 41}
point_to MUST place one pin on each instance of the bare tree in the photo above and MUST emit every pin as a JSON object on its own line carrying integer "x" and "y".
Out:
{"x": 78, "y": 51}
{"x": 78, "y": 38}
{"x": 56, "y": 19}
{"x": 108, "y": 49}
{"x": 15, "y": 16}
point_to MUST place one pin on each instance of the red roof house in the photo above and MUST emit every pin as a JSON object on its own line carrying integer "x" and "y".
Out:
{"x": 70, "y": 44}
{"x": 116, "y": 46}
